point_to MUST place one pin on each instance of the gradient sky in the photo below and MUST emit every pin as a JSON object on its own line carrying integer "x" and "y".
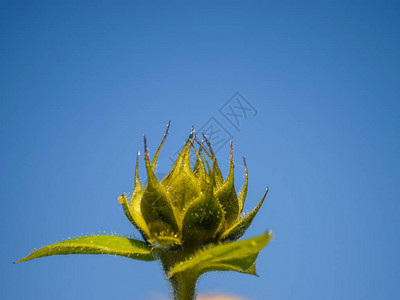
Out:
{"x": 81, "y": 82}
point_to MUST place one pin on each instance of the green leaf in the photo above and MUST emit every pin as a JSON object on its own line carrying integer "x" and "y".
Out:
{"x": 97, "y": 244}
{"x": 238, "y": 229}
{"x": 242, "y": 267}
{"x": 233, "y": 256}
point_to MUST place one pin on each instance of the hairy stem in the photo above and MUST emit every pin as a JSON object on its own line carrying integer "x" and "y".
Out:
{"x": 182, "y": 283}
{"x": 184, "y": 286}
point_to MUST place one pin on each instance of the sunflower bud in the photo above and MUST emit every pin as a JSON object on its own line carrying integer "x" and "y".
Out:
{"x": 190, "y": 221}
{"x": 191, "y": 206}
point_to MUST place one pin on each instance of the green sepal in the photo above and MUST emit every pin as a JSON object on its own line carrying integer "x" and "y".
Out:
{"x": 154, "y": 162}
{"x": 226, "y": 196}
{"x": 167, "y": 241}
{"x": 132, "y": 210}
{"x": 156, "y": 209}
{"x": 180, "y": 183}
{"x": 243, "y": 191}
{"x": 169, "y": 178}
{"x": 164, "y": 235}
{"x": 198, "y": 164}
{"x": 202, "y": 219}
{"x": 199, "y": 170}
{"x": 183, "y": 187}
{"x": 97, "y": 244}
{"x": 205, "y": 160}
{"x": 232, "y": 256}
{"x": 219, "y": 179}
{"x": 238, "y": 229}
{"x": 133, "y": 214}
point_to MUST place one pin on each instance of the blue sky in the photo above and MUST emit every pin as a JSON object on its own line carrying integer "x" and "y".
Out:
{"x": 81, "y": 82}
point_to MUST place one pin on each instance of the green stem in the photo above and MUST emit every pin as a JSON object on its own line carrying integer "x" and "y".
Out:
{"x": 183, "y": 283}
{"x": 184, "y": 286}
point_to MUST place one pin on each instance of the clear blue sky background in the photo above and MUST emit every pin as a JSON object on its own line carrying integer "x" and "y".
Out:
{"x": 82, "y": 81}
